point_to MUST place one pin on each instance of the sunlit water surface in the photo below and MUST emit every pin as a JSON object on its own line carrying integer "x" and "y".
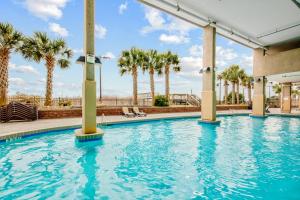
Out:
{"x": 243, "y": 158}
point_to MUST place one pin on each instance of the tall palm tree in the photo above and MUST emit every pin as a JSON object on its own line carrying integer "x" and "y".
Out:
{"x": 151, "y": 63}
{"x": 226, "y": 78}
{"x": 233, "y": 71}
{"x": 10, "y": 41}
{"x": 129, "y": 62}
{"x": 170, "y": 61}
{"x": 241, "y": 75}
{"x": 249, "y": 82}
{"x": 219, "y": 77}
{"x": 54, "y": 52}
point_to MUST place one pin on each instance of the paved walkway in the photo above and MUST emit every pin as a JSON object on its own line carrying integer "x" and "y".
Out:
{"x": 47, "y": 124}
{"x": 17, "y": 128}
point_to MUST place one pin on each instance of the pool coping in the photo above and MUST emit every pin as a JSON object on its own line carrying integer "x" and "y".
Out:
{"x": 23, "y": 134}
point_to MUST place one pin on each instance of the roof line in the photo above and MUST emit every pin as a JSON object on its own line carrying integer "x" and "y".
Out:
{"x": 230, "y": 31}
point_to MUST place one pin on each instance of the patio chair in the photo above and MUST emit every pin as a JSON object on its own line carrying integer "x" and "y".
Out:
{"x": 126, "y": 112}
{"x": 138, "y": 112}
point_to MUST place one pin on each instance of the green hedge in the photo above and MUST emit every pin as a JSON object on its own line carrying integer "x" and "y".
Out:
{"x": 161, "y": 100}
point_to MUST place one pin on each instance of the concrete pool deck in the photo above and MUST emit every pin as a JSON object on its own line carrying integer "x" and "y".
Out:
{"x": 19, "y": 129}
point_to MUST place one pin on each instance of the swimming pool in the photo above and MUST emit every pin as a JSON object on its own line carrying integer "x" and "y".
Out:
{"x": 242, "y": 158}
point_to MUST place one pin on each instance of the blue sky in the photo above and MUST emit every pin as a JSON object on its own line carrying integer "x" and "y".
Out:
{"x": 119, "y": 25}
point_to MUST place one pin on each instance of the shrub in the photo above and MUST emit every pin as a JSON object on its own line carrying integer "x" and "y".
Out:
{"x": 161, "y": 100}
{"x": 64, "y": 103}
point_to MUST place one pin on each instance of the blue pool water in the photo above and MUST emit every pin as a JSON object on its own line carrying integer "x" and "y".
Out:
{"x": 243, "y": 158}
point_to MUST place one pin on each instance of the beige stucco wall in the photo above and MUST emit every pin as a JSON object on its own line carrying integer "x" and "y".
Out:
{"x": 277, "y": 60}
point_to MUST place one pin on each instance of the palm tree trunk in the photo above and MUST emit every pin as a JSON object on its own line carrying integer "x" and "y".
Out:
{"x": 249, "y": 95}
{"x": 233, "y": 94}
{"x": 151, "y": 73}
{"x": 50, "y": 61}
{"x": 220, "y": 88}
{"x": 135, "y": 89}
{"x": 225, "y": 91}
{"x": 243, "y": 95}
{"x": 167, "y": 74}
{"x": 238, "y": 92}
{"x": 4, "y": 59}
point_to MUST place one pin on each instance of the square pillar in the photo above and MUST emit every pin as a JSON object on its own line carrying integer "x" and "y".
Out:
{"x": 208, "y": 104}
{"x": 259, "y": 97}
{"x": 89, "y": 129}
{"x": 286, "y": 100}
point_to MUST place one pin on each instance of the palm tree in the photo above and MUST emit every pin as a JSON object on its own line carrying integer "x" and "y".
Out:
{"x": 249, "y": 82}
{"x": 169, "y": 60}
{"x": 225, "y": 76}
{"x": 10, "y": 40}
{"x": 219, "y": 77}
{"x": 54, "y": 52}
{"x": 233, "y": 71}
{"x": 152, "y": 63}
{"x": 129, "y": 62}
{"x": 241, "y": 75}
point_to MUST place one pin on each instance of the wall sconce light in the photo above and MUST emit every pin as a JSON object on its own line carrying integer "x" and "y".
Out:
{"x": 205, "y": 69}
{"x": 257, "y": 79}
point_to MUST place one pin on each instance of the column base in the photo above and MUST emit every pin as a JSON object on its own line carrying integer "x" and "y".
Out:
{"x": 202, "y": 121}
{"x": 258, "y": 116}
{"x": 82, "y": 137}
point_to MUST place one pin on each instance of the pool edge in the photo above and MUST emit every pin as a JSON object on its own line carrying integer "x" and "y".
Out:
{"x": 24, "y": 134}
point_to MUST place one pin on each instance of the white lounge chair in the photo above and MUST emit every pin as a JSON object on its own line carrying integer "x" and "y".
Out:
{"x": 127, "y": 113}
{"x": 138, "y": 112}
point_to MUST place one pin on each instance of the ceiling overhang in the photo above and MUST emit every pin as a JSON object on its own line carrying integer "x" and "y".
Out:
{"x": 253, "y": 23}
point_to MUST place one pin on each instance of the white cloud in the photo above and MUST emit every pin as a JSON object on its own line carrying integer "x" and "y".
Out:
{"x": 224, "y": 57}
{"x": 27, "y": 69}
{"x": 196, "y": 50}
{"x": 58, "y": 29}
{"x": 155, "y": 20}
{"x": 12, "y": 66}
{"x": 177, "y": 30}
{"x": 123, "y": 7}
{"x": 231, "y": 42}
{"x": 246, "y": 61}
{"x": 109, "y": 54}
{"x": 77, "y": 51}
{"x": 100, "y": 31}
{"x": 46, "y": 8}
{"x": 17, "y": 81}
{"x": 173, "y": 39}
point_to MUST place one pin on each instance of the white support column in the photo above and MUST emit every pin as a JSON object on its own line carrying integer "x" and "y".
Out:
{"x": 208, "y": 104}
{"x": 89, "y": 129}
{"x": 259, "y": 97}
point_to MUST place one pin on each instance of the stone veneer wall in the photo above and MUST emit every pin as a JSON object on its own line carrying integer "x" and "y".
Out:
{"x": 76, "y": 112}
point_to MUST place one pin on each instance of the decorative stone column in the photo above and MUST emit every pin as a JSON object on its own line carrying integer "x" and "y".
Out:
{"x": 208, "y": 104}
{"x": 259, "y": 97}
{"x": 89, "y": 129}
{"x": 286, "y": 100}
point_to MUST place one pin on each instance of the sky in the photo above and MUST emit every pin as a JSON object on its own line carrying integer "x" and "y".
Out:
{"x": 119, "y": 25}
